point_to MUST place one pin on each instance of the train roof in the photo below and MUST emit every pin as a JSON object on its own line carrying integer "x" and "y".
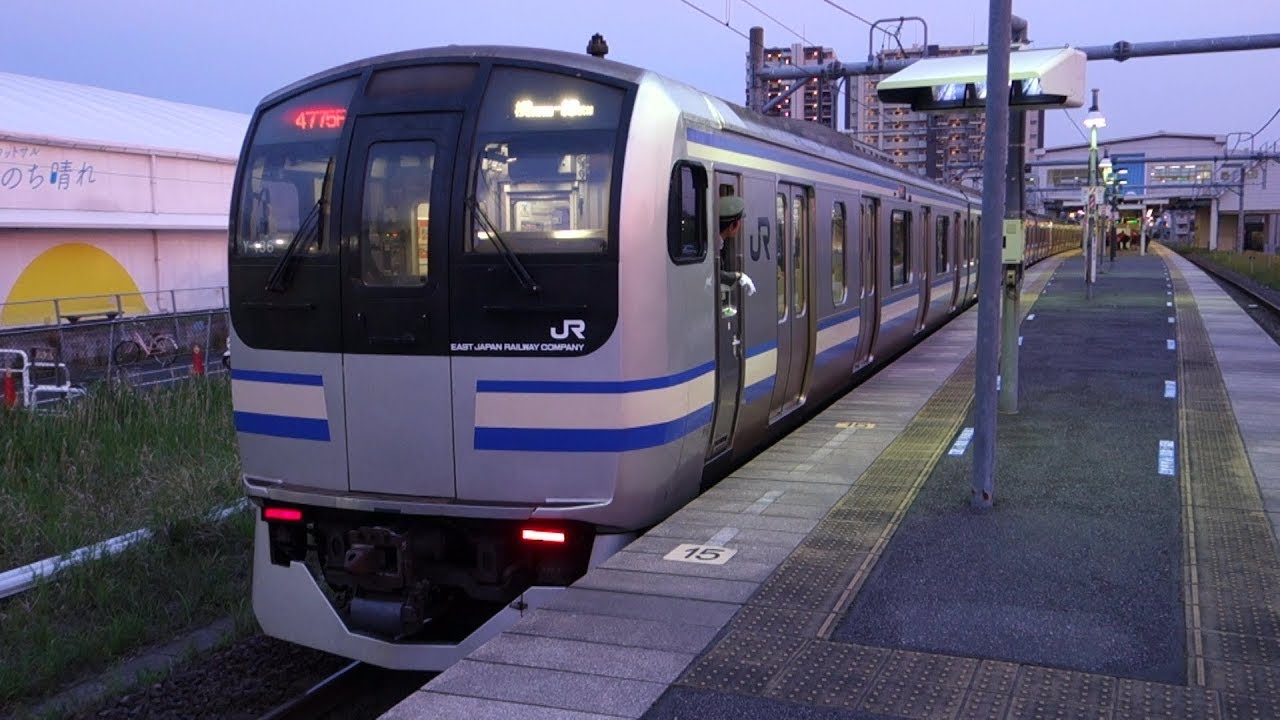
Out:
{"x": 803, "y": 135}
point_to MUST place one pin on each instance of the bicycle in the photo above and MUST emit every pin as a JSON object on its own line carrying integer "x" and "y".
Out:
{"x": 161, "y": 346}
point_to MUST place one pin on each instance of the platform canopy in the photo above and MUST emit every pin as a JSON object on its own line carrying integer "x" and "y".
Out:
{"x": 1038, "y": 79}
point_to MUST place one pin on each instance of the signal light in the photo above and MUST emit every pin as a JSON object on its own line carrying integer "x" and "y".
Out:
{"x": 280, "y": 514}
{"x": 554, "y": 536}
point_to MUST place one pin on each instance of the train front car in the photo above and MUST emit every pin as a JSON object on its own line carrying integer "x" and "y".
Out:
{"x": 439, "y": 415}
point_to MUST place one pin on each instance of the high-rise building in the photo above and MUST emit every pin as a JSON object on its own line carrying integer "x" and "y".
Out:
{"x": 816, "y": 101}
{"x": 942, "y": 145}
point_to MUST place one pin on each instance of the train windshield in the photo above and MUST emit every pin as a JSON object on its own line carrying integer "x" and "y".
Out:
{"x": 544, "y": 163}
{"x": 288, "y": 172}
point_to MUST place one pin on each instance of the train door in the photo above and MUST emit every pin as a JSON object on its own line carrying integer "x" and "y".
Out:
{"x": 395, "y": 304}
{"x": 868, "y": 258}
{"x": 794, "y": 231}
{"x": 957, "y": 260}
{"x": 919, "y": 239}
{"x": 729, "y": 348}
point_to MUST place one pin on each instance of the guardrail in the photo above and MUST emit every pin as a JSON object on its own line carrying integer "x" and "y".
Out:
{"x": 26, "y": 577}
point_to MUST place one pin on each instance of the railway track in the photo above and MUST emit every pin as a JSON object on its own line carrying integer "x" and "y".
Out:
{"x": 356, "y": 691}
{"x": 1262, "y": 306}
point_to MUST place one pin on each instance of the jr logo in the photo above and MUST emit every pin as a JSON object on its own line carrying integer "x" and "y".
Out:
{"x": 577, "y": 327}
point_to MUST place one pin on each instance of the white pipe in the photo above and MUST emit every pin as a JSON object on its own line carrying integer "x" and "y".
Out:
{"x": 28, "y": 576}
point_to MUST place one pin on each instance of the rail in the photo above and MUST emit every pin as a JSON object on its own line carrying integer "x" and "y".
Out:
{"x": 357, "y": 683}
{"x": 1226, "y": 277}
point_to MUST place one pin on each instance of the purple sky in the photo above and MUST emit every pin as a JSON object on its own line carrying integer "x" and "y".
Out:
{"x": 229, "y": 53}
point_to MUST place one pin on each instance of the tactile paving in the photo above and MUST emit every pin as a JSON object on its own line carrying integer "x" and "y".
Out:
{"x": 899, "y": 697}
{"x": 742, "y": 662}
{"x": 831, "y": 674}
{"x": 1065, "y": 686}
{"x": 983, "y": 706}
{"x": 1138, "y": 699}
{"x": 758, "y": 619}
{"x": 923, "y": 668}
{"x": 995, "y": 676}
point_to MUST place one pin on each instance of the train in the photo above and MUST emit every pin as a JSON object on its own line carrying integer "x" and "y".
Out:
{"x": 487, "y": 329}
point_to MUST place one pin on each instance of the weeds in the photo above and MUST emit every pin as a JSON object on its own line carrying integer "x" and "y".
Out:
{"x": 116, "y": 461}
{"x": 1262, "y": 268}
{"x": 100, "y": 612}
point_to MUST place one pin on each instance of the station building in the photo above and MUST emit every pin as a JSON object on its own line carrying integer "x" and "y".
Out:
{"x": 110, "y": 203}
{"x": 1185, "y": 186}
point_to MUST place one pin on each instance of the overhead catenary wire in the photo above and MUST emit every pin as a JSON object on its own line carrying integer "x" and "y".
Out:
{"x": 717, "y": 20}
{"x": 776, "y": 21}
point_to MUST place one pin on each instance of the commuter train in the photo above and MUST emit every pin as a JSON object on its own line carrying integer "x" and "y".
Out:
{"x": 482, "y": 334}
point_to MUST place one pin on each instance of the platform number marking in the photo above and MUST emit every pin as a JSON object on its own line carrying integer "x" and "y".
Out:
{"x": 706, "y": 554}
{"x": 1164, "y": 459}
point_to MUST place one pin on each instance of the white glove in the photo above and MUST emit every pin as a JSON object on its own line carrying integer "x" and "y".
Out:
{"x": 745, "y": 282}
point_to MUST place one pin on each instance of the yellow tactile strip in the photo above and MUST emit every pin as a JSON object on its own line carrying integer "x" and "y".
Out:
{"x": 1232, "y": 572}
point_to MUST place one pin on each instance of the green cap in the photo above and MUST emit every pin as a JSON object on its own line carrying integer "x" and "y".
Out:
{"x": 731, "y": 207}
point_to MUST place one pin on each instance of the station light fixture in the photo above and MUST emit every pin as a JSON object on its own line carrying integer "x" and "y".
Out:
{"x": 1051, "y": 78}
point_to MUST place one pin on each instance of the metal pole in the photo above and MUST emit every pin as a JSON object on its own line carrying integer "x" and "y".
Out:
{"x": 774, "y": 103}
{"x": 1240, "y": 214}
{"x": 1091, "y": 246}
{"x": 996, "y": 150}
{"x": 1015, "y": 180}
{"x": 1119, "y": 51}
{"x": 756, "y": 53}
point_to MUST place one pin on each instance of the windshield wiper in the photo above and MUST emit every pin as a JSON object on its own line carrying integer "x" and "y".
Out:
{"x": 277, "y": 282}
{"x": 513, "y": 261}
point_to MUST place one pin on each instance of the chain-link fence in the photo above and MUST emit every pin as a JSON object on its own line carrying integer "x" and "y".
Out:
{"x": 119, "y": 345}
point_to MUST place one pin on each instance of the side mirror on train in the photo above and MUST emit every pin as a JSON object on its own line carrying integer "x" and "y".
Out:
{"x": 1051, "y": 78}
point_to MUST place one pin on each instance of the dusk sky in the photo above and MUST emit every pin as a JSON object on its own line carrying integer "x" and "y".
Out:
{"x": 230, "y": 53}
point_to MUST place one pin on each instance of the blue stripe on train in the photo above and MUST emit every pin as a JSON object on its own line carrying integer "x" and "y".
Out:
{"x": 578, "y": 440}
{"x": 277, "y": 377}
{"x": 281, "y": 426}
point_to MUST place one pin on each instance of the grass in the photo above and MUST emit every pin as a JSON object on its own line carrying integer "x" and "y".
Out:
{"x": 115, "y": 462}
{"x": 102, "y": 612}
{"x": 1265, "y": 269}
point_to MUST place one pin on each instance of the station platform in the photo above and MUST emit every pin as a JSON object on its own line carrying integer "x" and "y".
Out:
{"x": 1128, "y": 569}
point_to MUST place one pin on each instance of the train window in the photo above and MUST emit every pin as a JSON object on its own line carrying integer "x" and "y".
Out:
{"x": 288, "y": 172}
{"x": 870, "y": 220}
{"x": 839, "y": 288}
{"x": 543, "y": 172}
{"x": 397, "y": 209}
{"x": 941, "y": 258}
{"x": 687, "y": 214}
{"x": 899, "y": 248}
{"x": 782, "y": 256}
{"x": 799, "y": 245}
{"x": 433, "y": 81}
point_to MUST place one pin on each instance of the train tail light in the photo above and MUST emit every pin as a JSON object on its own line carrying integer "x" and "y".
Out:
{"x": 282, "y": 514}
{"x": 547, "y": 536}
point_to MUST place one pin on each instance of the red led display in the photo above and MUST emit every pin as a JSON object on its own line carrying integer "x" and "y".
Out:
{"x": 320, "y": 118}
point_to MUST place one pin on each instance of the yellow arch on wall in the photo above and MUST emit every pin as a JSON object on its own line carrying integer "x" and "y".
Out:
{"x": 70, "y": 270}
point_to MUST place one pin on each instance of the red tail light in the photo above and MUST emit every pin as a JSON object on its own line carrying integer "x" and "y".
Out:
{"x": 280, "y": 514}
{"x": 554, "y": 536}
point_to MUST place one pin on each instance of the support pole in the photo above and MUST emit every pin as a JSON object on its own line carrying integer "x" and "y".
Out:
{"x": 1015, "y": 180}
{"x": 996, "y": 150}
{"x": 1240, "y": 214}
{"x": 756, "y": 52}
{"x": 1213, "y": 223}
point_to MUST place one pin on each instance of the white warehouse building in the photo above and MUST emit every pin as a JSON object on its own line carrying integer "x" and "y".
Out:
{"x": 110, "y": 203}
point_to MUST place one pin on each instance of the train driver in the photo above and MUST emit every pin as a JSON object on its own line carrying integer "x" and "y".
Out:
{"x": 731, "y": 212}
